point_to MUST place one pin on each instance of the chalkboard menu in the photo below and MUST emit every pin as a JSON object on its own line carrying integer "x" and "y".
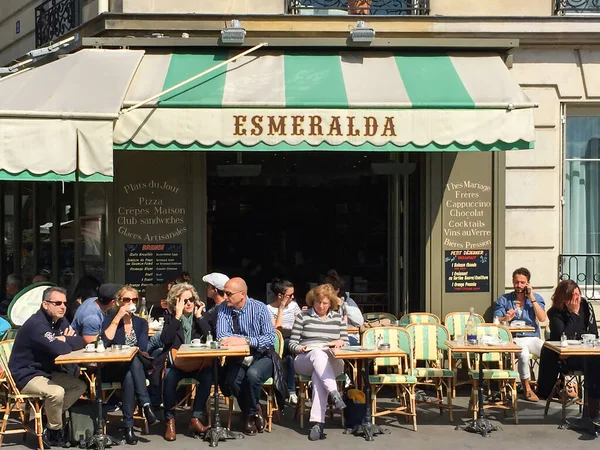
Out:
{"x": 152, "y": 264}
{"x": 467, "y": 270}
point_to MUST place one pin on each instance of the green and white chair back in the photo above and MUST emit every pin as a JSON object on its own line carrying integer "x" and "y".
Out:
{"x": 490, "y": 329}
{"x": 456, "y": 322}
{"x": 379, "y": 315}
{"x": 418, "y": 317}
{"x": 398, "y": 340}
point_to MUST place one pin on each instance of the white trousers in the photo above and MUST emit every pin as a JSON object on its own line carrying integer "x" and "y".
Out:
{"x": 529, "y": 345}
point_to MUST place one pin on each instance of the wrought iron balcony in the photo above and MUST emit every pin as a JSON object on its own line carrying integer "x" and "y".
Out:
{"x": 584, "y": 270}
{"x": 563, "y": 7}
{"x": 360, "y": 7}
{"x": 55, "y": 18}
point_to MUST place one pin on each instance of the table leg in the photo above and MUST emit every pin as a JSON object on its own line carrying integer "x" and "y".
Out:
{"x": 217, "y": 432}
{"x": 100, "y": 440}
{"x": 368, "y": 429}
{"x": 585, "y": 423}
{"x": 481, "y": 424}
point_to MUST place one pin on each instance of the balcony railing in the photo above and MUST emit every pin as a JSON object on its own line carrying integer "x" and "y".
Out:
{"x": 54, "y": 18}
{"x": 359, "y": 7}
{"x": 583, "y": 269}
{"x": 563, "y": 7}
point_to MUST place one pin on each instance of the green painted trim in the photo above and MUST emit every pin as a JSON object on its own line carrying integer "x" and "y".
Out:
{"x": 206, "y": 91}
{"x": 314, "y": 80}
{"x": 29, "y": 176}
{"x": 431, "y": 81}
{"x": 367, "y": 147}
{"x": 95, "y": 178}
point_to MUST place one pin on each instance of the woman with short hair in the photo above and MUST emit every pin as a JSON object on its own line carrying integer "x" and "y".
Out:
{"x": 314, "y": 330}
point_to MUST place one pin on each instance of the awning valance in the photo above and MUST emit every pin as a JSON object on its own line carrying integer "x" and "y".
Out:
{"x": 352, "y": 100}
{"x": 58, "y": 119}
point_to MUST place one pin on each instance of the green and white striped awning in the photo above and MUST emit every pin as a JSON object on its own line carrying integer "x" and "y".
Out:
{"x": 313, "y": 100}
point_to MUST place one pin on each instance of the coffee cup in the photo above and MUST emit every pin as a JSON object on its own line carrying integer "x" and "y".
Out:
{"x": 90, "y": 347}
{"x": 132, "y": 308}
{"x": 196, "y": 341}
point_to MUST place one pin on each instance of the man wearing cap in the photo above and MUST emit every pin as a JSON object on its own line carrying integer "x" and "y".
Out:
{"x": 42, "y": 338}
{"x": 215, "y": 290}
{"x": 88, "y": 319}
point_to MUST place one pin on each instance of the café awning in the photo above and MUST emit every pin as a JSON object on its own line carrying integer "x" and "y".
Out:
{"x": 316, "y": 100}
{"x": 57, "y": 120}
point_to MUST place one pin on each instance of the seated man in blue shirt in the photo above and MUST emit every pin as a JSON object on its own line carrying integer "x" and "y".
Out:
{"x": 89, "y": 317}
{"x": 523, "y": 304}
{"x": 243, "y": 320}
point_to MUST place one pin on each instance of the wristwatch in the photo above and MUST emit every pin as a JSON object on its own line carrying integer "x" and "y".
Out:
{"x": 247, "y": 339}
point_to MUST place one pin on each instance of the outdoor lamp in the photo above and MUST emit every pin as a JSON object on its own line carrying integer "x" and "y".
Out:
{"x": 362, "y": 33}
{"x": 234, "y": 34}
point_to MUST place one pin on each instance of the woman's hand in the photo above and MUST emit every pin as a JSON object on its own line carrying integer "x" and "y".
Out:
{"x": 337, "y": 343}
{"x": 198, "y": 310}
{"x": 573, "y": 304}
{"x": 303, "y": 349}
{"x": 179, "y": 308}
{"x": 123, "y": 311}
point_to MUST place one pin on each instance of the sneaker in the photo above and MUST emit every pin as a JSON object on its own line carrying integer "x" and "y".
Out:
{"x": 293, "y": 399}
{"x": 338, "y": 401}
{"x": 316, "y": 432}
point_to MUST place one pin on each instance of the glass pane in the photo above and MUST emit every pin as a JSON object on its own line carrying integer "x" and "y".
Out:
{"x": 45, "y": 206}
{"x": 27, "y": 233}
{"x": 92, "y": 204}
{"x": 66, "y": 264}
{"x": 583, "y": 133}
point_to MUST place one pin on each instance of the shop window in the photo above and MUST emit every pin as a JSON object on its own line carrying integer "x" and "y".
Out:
{"x": 581, "y": 241}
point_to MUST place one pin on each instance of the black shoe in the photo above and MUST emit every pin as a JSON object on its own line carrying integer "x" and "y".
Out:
{"x": 54, "y": 438}
{"x": 316, "y": 432}
{"x": 130, "y": 436}
{"x": 259, "y": 420}
{"x": 149, "y": 414}
{"x": 250, "y": 426}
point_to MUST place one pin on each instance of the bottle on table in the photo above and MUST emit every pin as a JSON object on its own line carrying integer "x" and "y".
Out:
{"x": 209, "y": 338}
{"x": 563, "y": 340}
{"x": 143, "y": 311}
{"x": 471, "y": 328}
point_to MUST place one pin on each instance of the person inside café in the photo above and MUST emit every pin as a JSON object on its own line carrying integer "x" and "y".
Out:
{"x": 215, "y": 294}
{"x": 87, "y": 287}
{"x": 124, "y": 328}
{"x": 182, "y": 326}
{"x": 574, "y": 316}
{"x": 43, "y": 337}
{"x": 528, "y": 306}
{"x": 349, "y": 310}
{"x": 243, "y": 320}
{"x": 14, "y": 283}
{"x": 314, "y": 330}
{"x": 90, "y": 315}
{"x": 283, "y": 310}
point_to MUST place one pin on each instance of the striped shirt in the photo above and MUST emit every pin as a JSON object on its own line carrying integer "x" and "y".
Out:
{"x": 254, "y": 323}
{"x": 289, "y": 314}
{"x": 310, "y": 329}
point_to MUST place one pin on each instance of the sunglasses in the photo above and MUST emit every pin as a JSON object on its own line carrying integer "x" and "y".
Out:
{"x": 55, "y": 303}
{"x": 130, "y": 299}
{"x": 188, "y": 300}
{"x": 231, "y": 294}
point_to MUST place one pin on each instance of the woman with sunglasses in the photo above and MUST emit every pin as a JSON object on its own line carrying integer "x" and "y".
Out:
{"x": 124, "y": 328}
{"x": 184, "y": 324}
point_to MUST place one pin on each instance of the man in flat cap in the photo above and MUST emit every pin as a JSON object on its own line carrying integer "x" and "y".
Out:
{"x": 88, "y": 319}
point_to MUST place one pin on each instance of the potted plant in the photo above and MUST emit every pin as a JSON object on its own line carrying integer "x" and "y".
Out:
{"x": 359, "y": 7}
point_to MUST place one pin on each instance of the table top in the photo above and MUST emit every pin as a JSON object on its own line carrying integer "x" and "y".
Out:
{"x": 509, "y": 347}
{"x": 107, "y": 356}
{"x": 341, "y": 353}
{"x": 572, "y": 350}
{"x": 187, "y": 351}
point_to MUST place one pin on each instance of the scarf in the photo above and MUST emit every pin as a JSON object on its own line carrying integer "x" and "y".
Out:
{"x": 186, "y": 324}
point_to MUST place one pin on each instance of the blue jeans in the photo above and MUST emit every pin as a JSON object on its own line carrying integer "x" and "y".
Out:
{"x": 133, "y": 384}
{"x": 291, "y": 374}
{"x": 172, "y": 378}
{"x": 246, "y": 382}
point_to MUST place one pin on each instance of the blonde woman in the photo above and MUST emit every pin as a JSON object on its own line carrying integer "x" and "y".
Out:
{"x": 124, "y": 328}
{"x": 319, "y": 327}
{"x": 184, "y": 324}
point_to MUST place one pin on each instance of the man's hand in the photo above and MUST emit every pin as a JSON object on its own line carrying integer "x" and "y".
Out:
{"x": 529, "y": 290}
{"x": 179, "y": 308}
{"x": 69, "y": 332}
{"x": 510, "y": 314}
{"x": 233, "y": 341}
{"x": 61, "y": 338}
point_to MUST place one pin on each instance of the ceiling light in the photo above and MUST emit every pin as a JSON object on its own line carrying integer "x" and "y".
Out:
{"x": 362, "y": 33}
{"x": 234, "y": 34}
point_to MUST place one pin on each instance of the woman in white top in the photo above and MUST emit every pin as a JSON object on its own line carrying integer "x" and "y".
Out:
{"x": 284, "y": 310}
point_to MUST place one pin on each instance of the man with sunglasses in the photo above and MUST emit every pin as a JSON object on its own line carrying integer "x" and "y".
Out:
{"x": 42, "y": 338}
{"x": 89, "y": 317}
{"x": 243, "y": 320}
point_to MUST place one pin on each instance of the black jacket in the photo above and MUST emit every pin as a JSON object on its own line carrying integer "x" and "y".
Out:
{"x": 140, "y": 326}
{"x": 36, "y": 347}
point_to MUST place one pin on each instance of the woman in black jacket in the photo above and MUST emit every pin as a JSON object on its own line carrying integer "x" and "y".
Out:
{"x": 184, "y": 324}
{"x": 572, "y": 315}
{"x": 124, "y": 328}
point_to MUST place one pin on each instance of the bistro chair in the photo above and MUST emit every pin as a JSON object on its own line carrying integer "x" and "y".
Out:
{"x": 429, "y": 353}
{"x": 399, "y": 377}
{"x": 418, "y": 317}
{"x": 10, "y": 334}
{"x": 506, "y": 377}
{"x": 456, "y": 323}
{"x": 379, "y": 315}
{"x": 108, "y": 389}
{"x": 268, "y": 388}
{"x": 15, "y": 400}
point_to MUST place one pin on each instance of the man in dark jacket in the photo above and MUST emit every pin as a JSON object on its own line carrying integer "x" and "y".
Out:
{"x": 42, "y": 338}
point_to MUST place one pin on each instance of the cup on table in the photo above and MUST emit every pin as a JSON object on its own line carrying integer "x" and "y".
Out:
{"x": 90, "y": 347}
{"x": 196, "y": 342}
{"x": 588, "y": 339}
{"x": 116, "y": 347}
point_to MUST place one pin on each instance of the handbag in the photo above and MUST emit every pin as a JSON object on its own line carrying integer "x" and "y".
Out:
{"x": 186, "y": 364}
{"x": 147, "y": 362}
{"x": 374, "y": 323}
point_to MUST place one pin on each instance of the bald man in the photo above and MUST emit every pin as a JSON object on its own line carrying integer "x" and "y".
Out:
{"x": 243, "y": 320}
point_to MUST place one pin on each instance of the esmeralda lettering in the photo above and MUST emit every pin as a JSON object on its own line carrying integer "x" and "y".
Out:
{"x": 313, "y": 125}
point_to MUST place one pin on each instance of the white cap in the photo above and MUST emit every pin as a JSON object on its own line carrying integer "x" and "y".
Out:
{"x": 217, "y": 279}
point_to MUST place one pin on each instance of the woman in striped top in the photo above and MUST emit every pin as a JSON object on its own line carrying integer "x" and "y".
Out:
{"x": 316, "y": 329}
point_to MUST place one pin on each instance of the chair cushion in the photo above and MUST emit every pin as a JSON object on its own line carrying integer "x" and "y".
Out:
{"x": 187, "y": 382}
{"x": 268, "y": 382}
{"x": 432, "y": 372}
{"x": 111, "y": 385}
{"x": 392, "y": 378}
{"x": 495, "y": 374}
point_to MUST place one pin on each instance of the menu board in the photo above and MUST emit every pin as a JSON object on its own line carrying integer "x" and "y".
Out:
{"x": 147, "y": 264}
{"x": 467, "y": 270}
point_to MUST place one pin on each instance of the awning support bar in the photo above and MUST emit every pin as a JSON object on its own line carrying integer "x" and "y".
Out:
{"x": 177, "y": 86}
